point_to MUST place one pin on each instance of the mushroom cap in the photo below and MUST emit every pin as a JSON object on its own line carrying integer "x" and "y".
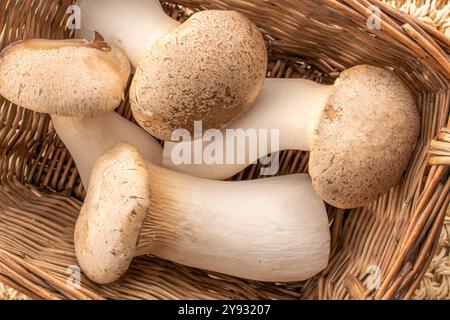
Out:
{"x": 72, "y": 78}
{"x": 211, "y": 68}
{"x": 110, "y": 221}
{"x": 365, "y": 137}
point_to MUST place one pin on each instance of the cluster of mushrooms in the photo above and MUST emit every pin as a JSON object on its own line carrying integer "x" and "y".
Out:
{"x": 361, "y": 133}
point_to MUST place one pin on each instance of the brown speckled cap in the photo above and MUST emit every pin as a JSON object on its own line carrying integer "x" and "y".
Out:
{"x": 72, "y": 78}
{"x": 110, "y": 221}
{"x": 211, "y": 68}
{"x": 365, "y": 138}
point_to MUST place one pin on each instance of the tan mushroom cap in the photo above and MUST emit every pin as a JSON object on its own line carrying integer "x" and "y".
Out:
{"x": 108, "y": 228}
{"x": 365, "y": 138}
{"x": 211, "y": 68}
{"x": 64, "y": 77}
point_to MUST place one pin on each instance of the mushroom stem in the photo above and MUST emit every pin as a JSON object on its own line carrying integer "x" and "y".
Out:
{"x": 132, "y": 25}
{"x": 361, "y": 133}
{"x": 278, "y": 231}
{"x": 291, "y": 106}
{"x": 273, "y": 229}
{"x": 89, "y": 138}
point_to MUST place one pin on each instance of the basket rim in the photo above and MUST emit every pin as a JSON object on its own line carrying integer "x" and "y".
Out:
{"x": 413, "y": 253}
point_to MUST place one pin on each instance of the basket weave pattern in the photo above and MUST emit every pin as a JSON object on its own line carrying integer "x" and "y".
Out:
{"x": 40, "y": 191}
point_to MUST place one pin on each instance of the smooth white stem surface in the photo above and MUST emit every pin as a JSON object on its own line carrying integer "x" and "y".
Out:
{"x": 291, "y": 106}
{"x": 132, "y": 25}
{"x": 89, "y": 138}
{"x": 273, "y": 229}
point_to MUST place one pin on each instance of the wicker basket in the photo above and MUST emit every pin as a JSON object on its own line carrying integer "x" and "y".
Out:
{"x": 388, "y": 244}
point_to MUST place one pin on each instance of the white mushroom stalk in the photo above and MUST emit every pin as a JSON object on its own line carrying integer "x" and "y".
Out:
{"x": 132, "y": 25}
{"x": 290, "y": 106}
{"x": 89, "y": 138}
{"x": 273, "y": 229}
{"x": 361, "y": 133}
{"x": 79, "y": 84}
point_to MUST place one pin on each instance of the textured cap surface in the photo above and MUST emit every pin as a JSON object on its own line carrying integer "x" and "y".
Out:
{"x": 110, "y": 221}
{"x": 365, "y": 137}
{"x": 211, "y": 68}
{"x": 64, "y": 77}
